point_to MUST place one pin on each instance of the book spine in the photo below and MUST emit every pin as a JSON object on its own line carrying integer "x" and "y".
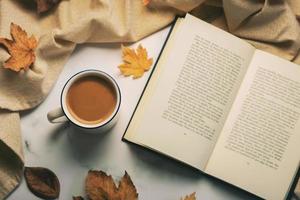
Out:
{"x": 161, "y": 51}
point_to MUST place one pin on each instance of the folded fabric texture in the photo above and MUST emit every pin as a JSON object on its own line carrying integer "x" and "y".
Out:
{"x": 11, "y": 162}
{"x": 268, "y": 25}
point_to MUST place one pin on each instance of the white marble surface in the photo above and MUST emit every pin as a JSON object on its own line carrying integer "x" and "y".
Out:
{"x": 70, "y": 154}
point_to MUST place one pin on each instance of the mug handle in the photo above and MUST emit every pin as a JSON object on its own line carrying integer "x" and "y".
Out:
{"x": 57, "y": 116}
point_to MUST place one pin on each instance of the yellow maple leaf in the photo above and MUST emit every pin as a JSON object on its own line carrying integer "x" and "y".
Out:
{"x": 190, "y": 197}
{"x": 135, "y": 62}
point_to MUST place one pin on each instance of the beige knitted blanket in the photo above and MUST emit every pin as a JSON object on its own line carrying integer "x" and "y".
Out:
{"x": 267, "y": 24}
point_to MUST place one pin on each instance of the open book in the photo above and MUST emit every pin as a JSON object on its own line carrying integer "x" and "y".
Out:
{"x": 218, "y": 104}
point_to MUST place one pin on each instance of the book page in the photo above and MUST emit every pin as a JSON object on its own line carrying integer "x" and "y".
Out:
{"x": 258, "y": 149}
{"x": 190, "y": 93}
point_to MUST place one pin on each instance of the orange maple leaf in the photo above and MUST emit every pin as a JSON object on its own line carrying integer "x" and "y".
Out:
{"x": 21, "y": 49}
{"x": 135, "y": 62}
{"x": 146, "y": 2}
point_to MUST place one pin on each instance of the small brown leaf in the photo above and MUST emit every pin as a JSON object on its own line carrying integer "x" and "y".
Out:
{"x": 21, "y": 49}
{"x": 100, "y": 186}
{"x": 78, "y": 198}
{"x": 42, "y": 182}
{"x": 190, "y": 197}
{"x": 45, "y": 5}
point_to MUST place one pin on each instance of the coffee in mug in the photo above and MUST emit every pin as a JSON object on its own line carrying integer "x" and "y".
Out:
{"x": 90, "y": 99}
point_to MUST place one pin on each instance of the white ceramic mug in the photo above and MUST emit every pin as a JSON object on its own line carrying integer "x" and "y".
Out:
{"x": 62, "y": 114}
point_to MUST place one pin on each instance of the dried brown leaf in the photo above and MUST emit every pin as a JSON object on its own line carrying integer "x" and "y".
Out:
{"x": 42, "y": 182}
{"x": 21, "y": 49}
{"x": 78, "y": 198}
{"x": 127, "y": 190}
{"x": 190, "y": 197}
{"x": 100, "y": 186}
{"x": 45, "y": 5}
